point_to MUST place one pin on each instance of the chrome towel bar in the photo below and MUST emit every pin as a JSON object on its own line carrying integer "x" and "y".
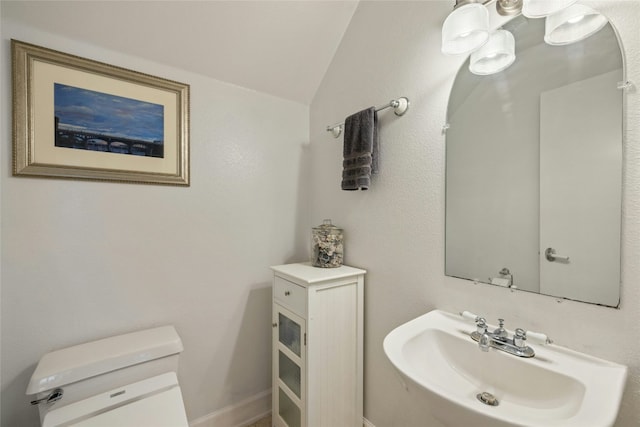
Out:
{"x": 400, "y": 106}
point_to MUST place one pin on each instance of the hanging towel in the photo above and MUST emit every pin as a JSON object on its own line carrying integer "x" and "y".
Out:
{"x": 360, "y": 151}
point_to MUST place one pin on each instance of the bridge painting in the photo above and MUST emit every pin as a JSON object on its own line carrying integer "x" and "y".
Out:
{"x": 90, "y": 120}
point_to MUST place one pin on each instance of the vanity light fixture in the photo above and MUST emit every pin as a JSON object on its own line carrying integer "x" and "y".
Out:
{"x": 543, "y": 8}
{"x": 496, "y": 55}
{"x": 466, "y": 28}
{"x": 572, "y": 25}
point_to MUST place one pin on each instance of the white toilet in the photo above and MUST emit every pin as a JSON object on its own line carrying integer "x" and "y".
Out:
{"x": 126, "y": 381}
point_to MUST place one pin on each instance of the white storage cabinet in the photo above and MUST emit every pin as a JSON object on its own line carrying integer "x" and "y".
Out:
{"x": 317, "y": 346}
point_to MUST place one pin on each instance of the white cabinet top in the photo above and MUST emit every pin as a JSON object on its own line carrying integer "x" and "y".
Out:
{"x": 305, "y": 272}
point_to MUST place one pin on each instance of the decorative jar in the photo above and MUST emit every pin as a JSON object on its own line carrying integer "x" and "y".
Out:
{"x": 327, "y": 247}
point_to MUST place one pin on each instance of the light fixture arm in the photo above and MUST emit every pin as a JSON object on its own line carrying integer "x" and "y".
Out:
{"x": 504, "y": 7}
{"x": 509, "y": 7}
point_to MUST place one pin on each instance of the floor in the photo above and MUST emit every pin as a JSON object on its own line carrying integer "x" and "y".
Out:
{"x": 263, "y": 422}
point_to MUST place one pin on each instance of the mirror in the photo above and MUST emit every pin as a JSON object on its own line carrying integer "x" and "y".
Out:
{"x": 534, "y": 169}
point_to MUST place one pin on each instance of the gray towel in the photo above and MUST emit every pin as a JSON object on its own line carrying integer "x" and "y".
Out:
{"x": 360, "y": 149}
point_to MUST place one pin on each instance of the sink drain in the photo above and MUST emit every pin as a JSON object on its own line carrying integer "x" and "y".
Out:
{"x": 487, "y": 398}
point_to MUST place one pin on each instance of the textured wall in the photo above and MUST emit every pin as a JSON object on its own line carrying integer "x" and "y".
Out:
{"x": 85, "y": 260}
{"x": 396, "y": 229}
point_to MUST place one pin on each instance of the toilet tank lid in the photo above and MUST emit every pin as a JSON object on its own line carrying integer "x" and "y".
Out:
{"x": 72, "y": 364}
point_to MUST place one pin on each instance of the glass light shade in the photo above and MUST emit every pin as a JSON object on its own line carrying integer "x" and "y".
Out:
{"x": 497, "y": 55}
{"x": 573, "y": 24}
{"x": 465, "y": 29}
{"x": 542, "y": 8}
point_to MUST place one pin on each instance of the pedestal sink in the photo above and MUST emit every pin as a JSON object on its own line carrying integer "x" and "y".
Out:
{"x": 557, "y": 387}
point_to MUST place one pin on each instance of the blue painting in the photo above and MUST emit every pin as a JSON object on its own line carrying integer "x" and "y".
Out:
{"x": 90, "y": 120}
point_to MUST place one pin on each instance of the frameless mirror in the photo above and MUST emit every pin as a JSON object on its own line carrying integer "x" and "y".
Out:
{"x": 534, "y": 169}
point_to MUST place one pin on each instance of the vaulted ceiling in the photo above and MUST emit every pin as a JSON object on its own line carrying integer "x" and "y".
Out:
{"x": 278, "y": 47}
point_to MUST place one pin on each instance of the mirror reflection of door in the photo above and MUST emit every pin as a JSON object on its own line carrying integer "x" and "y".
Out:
{"x": 580, "y": 188}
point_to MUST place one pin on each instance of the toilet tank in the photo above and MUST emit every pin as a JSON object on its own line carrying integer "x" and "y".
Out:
{"x": 96, "y": 367}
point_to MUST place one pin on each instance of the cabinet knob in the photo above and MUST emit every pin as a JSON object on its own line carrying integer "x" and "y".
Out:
{"x": 287, "y": 293}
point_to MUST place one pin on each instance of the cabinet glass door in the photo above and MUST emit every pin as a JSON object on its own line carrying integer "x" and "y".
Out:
{"x": 289, "y": 373}
{"x": 288, "y": 410}
{"x": 289, "y": 333}
{"x": 288, "y": 368}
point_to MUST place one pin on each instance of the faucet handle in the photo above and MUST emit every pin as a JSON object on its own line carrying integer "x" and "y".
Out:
{"x": 481, "y": 325}
{"x": 470, "y": 316}
{"x": 520, "y": 338}
{"x": 538, "y": 338}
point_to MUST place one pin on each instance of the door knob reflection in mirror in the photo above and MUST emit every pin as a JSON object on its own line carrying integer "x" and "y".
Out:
{"x": 551, "y": 256}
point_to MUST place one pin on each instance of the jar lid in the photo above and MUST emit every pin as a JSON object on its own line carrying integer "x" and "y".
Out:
{"x": 327, "y": 226}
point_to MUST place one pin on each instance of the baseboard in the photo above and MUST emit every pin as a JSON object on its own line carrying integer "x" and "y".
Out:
{"x": 238, "y": 415}
{"x": 244, "y": 413}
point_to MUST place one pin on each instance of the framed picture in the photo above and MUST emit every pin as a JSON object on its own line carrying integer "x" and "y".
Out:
{"x": 78, "y": 118}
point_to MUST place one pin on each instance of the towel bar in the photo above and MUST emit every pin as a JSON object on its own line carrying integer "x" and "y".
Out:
{"x": 400, "y": 106}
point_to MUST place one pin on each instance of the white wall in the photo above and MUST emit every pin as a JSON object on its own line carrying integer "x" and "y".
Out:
{"x": 85, "y": 260}
{"x": 396, "y": 229}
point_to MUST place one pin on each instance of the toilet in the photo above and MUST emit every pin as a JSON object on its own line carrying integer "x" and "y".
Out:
{"x": 126, "y": 381}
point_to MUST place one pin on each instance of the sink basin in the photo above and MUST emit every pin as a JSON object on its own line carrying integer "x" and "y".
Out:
{"x": 558, "y": 387}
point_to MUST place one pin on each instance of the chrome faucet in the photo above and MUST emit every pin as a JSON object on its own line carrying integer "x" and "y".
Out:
{"x": 500, "y": 333}
{"x": 499, "y": 339}
{"x": 484, "y": 342}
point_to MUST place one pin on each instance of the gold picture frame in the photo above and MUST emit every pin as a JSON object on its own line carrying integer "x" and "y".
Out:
{"x": 82, "y": 119}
